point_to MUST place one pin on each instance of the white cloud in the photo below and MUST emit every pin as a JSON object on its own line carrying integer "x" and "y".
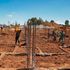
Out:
{"x": 10, "y": 15}
{"x": 59, "y": 21}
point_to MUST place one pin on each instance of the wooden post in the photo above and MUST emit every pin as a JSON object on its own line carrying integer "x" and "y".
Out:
{"x": 33, "y": 46}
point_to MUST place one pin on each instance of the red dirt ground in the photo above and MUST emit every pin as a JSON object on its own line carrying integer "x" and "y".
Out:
{"x": 7, "y": 44}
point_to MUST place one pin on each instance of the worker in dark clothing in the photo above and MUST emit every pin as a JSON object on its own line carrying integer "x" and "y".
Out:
{"x": 62, "y": 37}
{"x": 48, "y": 35}
{"x": 1, "y": 28}
{"x": 18, "y": 31}
{"x": 54, "y": 35}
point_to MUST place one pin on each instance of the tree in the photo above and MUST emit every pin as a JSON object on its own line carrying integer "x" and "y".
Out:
{"x": 16, "y": 24}
{"x": 39, "y": 21}
{"x": 32, "y": 21}
{"x": 52, "y": 21}
{"x": 67, "y": 22}
{"x": 46, "y": 21}
{"x": 11, "y": 25}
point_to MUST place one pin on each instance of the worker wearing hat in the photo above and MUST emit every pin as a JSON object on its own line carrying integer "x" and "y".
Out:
{"x": 17, "y": 30}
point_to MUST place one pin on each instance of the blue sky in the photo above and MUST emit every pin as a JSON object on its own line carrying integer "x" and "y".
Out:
{"x": 22, "y": 10}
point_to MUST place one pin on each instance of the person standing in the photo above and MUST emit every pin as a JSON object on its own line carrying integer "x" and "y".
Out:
{"x": 62, "y": 37}
{"x": 18, "y": 31}
{"x": 54, "y": 35}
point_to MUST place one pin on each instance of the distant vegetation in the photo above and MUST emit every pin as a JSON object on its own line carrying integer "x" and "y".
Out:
{"x": 67, "y": 22}
{"x": 14, "y": 25}
{"x": 39, "y": 21}
{"x": 36, "y": 21}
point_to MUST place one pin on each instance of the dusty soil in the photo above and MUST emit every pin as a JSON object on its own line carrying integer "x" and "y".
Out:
{"x": 7, "y": 44}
